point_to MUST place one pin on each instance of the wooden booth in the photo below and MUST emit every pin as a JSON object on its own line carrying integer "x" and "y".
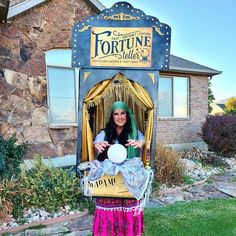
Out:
{"x": 119, "y": 52}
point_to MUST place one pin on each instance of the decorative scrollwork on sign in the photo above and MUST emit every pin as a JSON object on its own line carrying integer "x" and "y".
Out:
{"x": 125, "y": 34}
{"x": 121, "y": 17}
{"x": 86, "y": 27}
{"x": 151, "y": 76}
{"x": 86, "y": 75}
{"x": 158, "y": 30}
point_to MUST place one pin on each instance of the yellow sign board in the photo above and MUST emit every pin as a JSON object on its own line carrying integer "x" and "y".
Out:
{"x": 107, "y": 186}
{"x": 118, "y": 46}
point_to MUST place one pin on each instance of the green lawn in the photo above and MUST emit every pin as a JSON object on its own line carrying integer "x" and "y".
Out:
{"x": 205, "y": 218}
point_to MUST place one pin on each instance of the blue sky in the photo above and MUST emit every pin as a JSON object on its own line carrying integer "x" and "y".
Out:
{"x": 203, "y": 31}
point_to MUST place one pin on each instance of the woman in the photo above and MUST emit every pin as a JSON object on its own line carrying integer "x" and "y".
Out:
{"x": 117, "y": 216}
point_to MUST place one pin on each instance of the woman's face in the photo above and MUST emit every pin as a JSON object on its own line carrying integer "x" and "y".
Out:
{"x": 119, "y": 117}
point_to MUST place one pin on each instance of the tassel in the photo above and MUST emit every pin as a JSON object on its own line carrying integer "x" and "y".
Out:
{"x": 146, "y": 194}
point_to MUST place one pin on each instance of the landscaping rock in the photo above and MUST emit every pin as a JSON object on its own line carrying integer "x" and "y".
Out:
{"x": 43, "y": 213}
{"x": 172, "y": 198}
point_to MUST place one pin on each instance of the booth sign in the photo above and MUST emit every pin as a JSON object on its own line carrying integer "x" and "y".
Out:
{"x": 121, "y": 37}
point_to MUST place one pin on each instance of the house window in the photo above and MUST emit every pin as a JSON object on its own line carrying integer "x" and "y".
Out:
{"x": 173, "y": 96}
{"x": 62, "y": 87}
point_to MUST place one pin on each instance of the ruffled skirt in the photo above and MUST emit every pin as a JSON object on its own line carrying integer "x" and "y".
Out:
{"x": 117, "y": 217}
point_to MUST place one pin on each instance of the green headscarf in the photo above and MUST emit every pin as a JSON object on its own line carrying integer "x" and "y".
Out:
{"x": 131, "y": 151}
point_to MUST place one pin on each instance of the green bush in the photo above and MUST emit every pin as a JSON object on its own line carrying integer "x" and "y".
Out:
{"x": 44, "y": 187}
{"x": 11, "y": 156}
{"x": 50, "y": 187}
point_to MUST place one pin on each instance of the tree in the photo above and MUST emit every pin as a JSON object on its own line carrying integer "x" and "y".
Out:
{"x": 211, "y": 97}
{"x": 230, "y": 106}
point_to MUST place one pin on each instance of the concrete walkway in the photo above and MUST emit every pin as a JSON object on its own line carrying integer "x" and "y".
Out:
{"x": 219, "y": 186}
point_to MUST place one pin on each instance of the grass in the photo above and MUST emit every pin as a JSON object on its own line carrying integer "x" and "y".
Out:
{"x": 210, "y": 218}
{"x": 187, "y": 180}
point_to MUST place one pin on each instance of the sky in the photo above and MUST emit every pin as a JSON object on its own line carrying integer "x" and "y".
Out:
{"x": 202, "y": 31}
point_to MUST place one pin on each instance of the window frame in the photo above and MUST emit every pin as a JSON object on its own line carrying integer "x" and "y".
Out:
{"x": 172, "y": 97}
{"x": 76, "y": 88}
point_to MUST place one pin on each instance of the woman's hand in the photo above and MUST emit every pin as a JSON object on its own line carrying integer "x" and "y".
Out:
{"x": 100, "y": 146}
{"x": 134, "y": 143}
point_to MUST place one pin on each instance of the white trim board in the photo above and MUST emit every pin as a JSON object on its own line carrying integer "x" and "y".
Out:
{"x": 98, "y": 5}
{"x": 27, "y": 4}
{"x": 65, "y": 161}
{"x": 188, "y": 146}
{"x": 22, "y": 6}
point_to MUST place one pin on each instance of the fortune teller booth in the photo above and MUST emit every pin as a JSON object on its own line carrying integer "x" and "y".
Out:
{"x": 119, "y": 53}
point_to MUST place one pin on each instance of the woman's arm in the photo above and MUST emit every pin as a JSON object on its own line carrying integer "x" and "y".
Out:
{"x": 137, "y": 143}
{"x": 99, "y": 143}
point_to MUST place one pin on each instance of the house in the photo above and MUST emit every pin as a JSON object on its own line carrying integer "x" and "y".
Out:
{"x": 218, "y": 106}
{"x": 39, "y": 88}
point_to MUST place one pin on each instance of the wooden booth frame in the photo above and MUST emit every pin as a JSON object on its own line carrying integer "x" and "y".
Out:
{"x": 123, "y": 45}
{"x": 146, "y": 82}
{"x": 92, "y": 77}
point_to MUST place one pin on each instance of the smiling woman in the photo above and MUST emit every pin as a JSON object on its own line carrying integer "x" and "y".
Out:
{"x": 119, "y": 117}
{"x": 117, "y": 216}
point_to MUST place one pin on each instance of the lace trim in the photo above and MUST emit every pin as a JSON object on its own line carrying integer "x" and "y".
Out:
{"x": 124, "y": 209}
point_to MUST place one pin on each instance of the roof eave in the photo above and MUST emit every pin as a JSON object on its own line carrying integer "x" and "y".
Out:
{"x": 98, "y": 5}
{"x": 190, "y": 71}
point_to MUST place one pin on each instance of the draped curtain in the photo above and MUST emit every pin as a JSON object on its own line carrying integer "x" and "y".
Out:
{"x": 101, "y": 96}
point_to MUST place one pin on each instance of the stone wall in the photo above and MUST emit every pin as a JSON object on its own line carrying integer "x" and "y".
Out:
{"x": 185, "y": 130}
{"x": 25, "y": 38}
{"x": 23, "y": 113}
{"x": 23, "y": 86}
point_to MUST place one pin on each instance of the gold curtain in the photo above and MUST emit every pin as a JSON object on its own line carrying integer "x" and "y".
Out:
{"x": 102, "y": 96}
{"x": 92, "y": 99}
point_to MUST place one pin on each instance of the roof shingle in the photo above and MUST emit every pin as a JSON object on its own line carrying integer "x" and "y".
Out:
{"x": 179, "y": 64}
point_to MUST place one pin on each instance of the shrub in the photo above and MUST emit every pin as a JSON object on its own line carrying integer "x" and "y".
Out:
{"x": 6, "y": 205}
{"x": 11, "y": 199}
{"x": 41, "y": 187}
{"x": 168, "y": 167}
{"x": 219, "y": 132}
{"x": 10, "y": 157}
{"x": 50, "y": 187}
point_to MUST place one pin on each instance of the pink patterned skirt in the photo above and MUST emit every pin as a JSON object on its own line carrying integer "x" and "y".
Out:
{"x": 117, "y": 217}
